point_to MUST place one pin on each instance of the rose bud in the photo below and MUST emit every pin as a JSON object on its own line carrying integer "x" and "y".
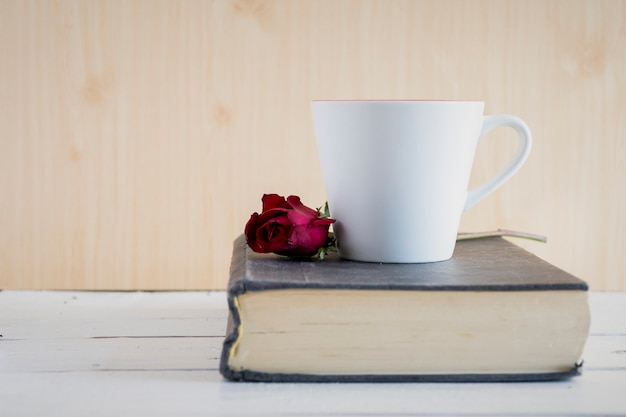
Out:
{"x": 287, "y": 227}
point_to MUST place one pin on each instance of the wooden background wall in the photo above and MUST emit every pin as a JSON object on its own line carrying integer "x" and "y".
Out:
{"x": 136, "y": 137}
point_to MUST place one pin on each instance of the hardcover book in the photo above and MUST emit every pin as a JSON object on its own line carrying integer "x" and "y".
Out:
{"x": 494, "y": 312}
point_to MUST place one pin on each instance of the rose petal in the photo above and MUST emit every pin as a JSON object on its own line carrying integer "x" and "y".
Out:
{"x": 250, "y": 232}
{"x": 274, "y": 235}
{"x": 305, "y": 241}
{"x": 300, "y": 214}
{"x": 272, "y": 201}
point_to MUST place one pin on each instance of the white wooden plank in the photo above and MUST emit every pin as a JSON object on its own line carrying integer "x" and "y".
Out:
{"x": 204, "y": 393}
{"x": 106, "y": 354}
{"x": 193, "y": 353}
{"x": 106, "y": 323}
{"x": 68, "y": 300}
{"x": 608, "y": 313}
{"x": 56, "y": 315}
{"x": 52, "y": 314}
{"x": 70, "y": 361}
{"x": 605, "y": 353}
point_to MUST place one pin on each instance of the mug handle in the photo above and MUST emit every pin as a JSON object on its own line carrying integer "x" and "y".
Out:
{"x": 523, "y": 149}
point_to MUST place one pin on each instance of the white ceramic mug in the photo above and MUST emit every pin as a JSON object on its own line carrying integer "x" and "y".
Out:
{"x": 396, "y": 173}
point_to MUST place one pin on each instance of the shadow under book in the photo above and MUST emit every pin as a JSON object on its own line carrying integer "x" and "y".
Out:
{"x": 494, "y": 312}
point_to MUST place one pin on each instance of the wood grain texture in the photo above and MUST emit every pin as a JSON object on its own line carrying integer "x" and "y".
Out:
{"x": 136, "y": 138}
{"x": 137, "y": 354}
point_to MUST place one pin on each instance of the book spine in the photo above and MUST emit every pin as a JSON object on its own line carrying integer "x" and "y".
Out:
{"x": 236, "y": 287}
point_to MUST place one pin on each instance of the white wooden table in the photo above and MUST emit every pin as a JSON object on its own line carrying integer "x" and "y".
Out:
{"x": 156, "y": 354}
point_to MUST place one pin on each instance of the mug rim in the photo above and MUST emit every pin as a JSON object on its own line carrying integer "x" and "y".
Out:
{"x": 394, "y": 101}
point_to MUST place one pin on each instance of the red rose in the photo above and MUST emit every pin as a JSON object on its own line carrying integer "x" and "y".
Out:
{"x": 287, "y": 227}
